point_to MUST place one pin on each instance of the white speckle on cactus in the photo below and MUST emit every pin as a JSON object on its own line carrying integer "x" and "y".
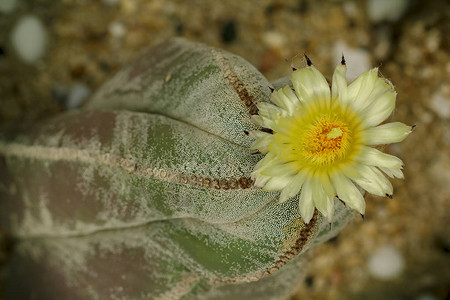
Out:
{"x": 385, "y": 263}
{"x": 29, "y": 38}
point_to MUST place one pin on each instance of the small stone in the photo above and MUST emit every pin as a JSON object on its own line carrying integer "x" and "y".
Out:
{"x": 385, "y": 263}
{"x": 440, "y": 102}
{"x": 77, "y": 95}
{"x": 274, "y": 39}
{"x": 117, "y": 30}
{"x": 29, "y": 38}
{"x": 357, "y": 60}
{"x": 386, "y": 10}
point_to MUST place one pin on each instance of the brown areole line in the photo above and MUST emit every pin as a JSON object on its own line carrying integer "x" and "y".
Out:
{"x": 295, "y": 249}
{"x": 236, "y": 83}
{"x": 115, "y": 161}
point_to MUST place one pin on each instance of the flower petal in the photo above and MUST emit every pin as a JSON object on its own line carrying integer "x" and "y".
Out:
{"x": 276, "y": 183}
{"x": 279, "y": 170}
{"x": 266, "y": 162}
{"x": 286, "y": 99}
{"x": 360, "y": 89}
{"x": 393, "y": 172}
{"x": 382, "y": 104}
{"x": 370, "y": 179}
{"x": 322, "y": 201}
{"x": 293, "y": 187}
{"x": 339, "y": 84}
{"x": 305, "y": 203}
{"x": 373, "y": 157}
{"x": 310, "y": 85}
{"x": 348, "y": 192}
{"x": 386, "y": 134}
{"x": 262, "y": 141}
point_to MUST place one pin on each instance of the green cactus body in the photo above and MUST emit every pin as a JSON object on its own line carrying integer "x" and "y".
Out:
{"x": 146, "y": 194}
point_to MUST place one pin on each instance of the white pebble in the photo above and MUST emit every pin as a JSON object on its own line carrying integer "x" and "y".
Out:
{"x": 8, "y": 6}
{"x": 29, "y": 38}
{"x": 357, "y": 60}
{"x": 274, "y": 39}
{"x": 117, "y": 29}
{"x": 440, "y": 104}
{"x": 386, "y": 10}
{"x": 77, "y": 95}
{"x": 385, "y": 263}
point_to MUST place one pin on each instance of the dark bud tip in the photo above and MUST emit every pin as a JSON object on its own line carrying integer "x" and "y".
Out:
{"x": 271, "y": 89}
{"x": 308, "y": 61}
{"x": 362, "y": 216}
{"x": 268, "y": 130}
{"x": 293, "y": 68}
{"x": 340, "y": 200}
{"x": 246, "y": 132}
{"x": 389, "y": 196}
{"x": 413, "y": 127}
{"x": 343, "y": 60}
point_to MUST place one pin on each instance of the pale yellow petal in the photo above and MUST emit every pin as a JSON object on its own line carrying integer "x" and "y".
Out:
{"x": 262, "y": 142}
{"x": 359, "y": 90}
{"x": 373, "y": 157}
{"x": 379, "y": 109}
{"x": 393, "y": 172}
{"x": 339, "y": 85}
{"x": 348, "y": 192}
{"x": 322, "y": 201}
{"x": 386, "y": 134}
{"x": 306, "y": 203}
{"x": 293, "y": 187}
{"x": 286, "y": 99}
{"x": 310, "y": 85}
{"x": 276, "y": 183}
{"x": 370, "y": 179}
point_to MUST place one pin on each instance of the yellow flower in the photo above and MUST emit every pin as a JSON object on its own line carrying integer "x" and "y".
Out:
{"x": 320, "y": 142}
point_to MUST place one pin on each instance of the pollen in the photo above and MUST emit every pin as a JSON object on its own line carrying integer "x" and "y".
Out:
{"x": 326, "y": 141}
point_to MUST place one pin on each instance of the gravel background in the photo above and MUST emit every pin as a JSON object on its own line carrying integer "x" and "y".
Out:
{"x": 88, "y": 41}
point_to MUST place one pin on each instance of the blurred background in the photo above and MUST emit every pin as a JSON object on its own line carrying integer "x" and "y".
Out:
{"x": 55, "y": 54}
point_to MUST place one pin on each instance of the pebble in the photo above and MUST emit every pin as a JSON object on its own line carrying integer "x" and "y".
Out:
{"x": 440, "y": 104}
{"x": 357, "y": 60}
{"x": 274, "y": 39}
{"x": 385, "y": 263}
{"x": 386, "y": 10}
{"x": 77, "y": 95}
{"x": 29, "y": 38}
{"x": 117, "y": 30}
{"x": 8, "y": 6}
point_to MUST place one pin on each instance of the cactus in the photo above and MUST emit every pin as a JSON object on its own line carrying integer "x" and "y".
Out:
{"x": 145, "y": 193}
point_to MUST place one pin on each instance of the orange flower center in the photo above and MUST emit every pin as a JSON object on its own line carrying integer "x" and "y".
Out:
{"x": 327, "y": 140}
